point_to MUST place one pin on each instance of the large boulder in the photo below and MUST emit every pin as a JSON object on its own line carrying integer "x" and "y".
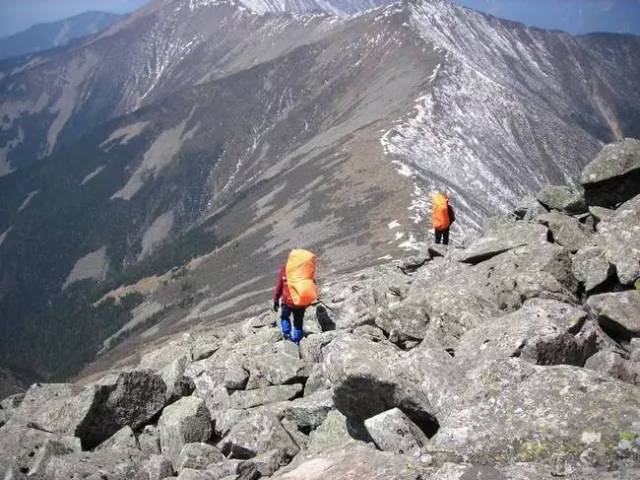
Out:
{"x": 592, "y": 268}
{"x": 209, "y": 381}
{"x": 256, "y": 434}
{"x": 619, "y": 236}
{"x": 368, "y": 378}
{"x": 614, "y": 175}
{"x": 186, "y": 421}
{"x": 542, "y": 332}
{"x": 612, "y": 364}
{"x": 516, "y": 411}
{"x": 308, "y": 412}
{"x": 130, "y": 398}
{"x": 280, "y": 366}
{"x": 393, "y": 431}
{"x": 198, "y": 455}
{"x": 123, "y": 439}
{"x": 502, "y": 239}
{"x": 617, "y": 313}
{"x": 109, "y": 464}
{"x": 566, "y": 231}
{"x": 562, "y": 198}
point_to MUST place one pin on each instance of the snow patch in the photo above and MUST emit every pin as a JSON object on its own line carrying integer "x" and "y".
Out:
{"x": 92, "y": 175}
{"x": 393, "y": 224}
{"x": 27, "y": 200}
{"x": 156, "y": 233}
{"x": 125, "y": 134}
{"x": 3, "y": 237}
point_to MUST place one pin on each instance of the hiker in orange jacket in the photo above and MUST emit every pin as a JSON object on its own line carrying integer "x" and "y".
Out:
{"x": 282, "y": 298}
{"x": 295, "y": 291}
{"x": 442, "y": 217}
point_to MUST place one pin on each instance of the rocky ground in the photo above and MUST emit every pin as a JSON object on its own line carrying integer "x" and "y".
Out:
{"x": 517, "y": 357}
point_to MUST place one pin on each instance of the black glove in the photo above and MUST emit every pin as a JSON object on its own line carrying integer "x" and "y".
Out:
{"x": 276, "y": 305}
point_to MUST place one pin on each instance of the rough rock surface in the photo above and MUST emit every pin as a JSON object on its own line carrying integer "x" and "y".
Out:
{"x": 618, "y": 313}
{"x": 394, "y": 431}
{"x": 186, "y": 421}
{"x": 614, "y": 175}
{"x": 562, "y": 198}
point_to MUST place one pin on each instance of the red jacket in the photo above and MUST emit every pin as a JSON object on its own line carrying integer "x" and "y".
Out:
{"x": 282, "y": 289}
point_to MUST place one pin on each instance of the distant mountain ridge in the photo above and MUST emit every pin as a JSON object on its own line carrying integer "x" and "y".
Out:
{"x": 45, "y": 36}
{"x": 153, "y": 175}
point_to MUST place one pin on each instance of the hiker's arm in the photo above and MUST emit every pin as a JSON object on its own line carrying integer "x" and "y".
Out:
{"x": 452, "y": 215}
{"x": 277, "y": 293}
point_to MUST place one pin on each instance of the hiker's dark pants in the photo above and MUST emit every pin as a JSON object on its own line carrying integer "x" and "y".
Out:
{"x": 285, "y": 322}
{"x": 442, "y": 236}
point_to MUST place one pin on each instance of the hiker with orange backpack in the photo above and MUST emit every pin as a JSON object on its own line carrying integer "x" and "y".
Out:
{"x": 442, "y": 217}
{"x": 295, "y": 291}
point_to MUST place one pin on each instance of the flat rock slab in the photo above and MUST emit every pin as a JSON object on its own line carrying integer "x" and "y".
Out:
{"x": 542, "y": 331}
{"x": 614, "y": 175}
{"x": 262, "y": 396}
{"x": 354, "y": 462}
{"x": 618, "y": 313}
{"x": 500, "y": 240}
{"x": 393, "y": 431}
{"x": 567, "y": 231}
{"x": 562, "y": 198}
{"x": 515, "y": 411}
{"x": 198, "y": 455}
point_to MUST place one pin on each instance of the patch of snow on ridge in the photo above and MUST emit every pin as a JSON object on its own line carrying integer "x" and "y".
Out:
{"x": 125, "y": 134}
{"x": 92, "y": 266}
{"x": 4, "y": 235}
{"x": 27, "y": 200}
{"x": 93, "y": 174}
{"x": 394, "y": 224}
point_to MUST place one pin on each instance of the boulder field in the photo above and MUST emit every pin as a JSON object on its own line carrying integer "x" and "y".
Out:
{"x": 515, "y": 357}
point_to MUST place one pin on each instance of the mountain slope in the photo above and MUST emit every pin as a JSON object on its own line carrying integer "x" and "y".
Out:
{"x": 174, "y": 177}
{"x": 56, "y": 34}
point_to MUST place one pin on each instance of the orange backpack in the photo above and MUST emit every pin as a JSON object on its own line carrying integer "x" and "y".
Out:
{"x": 301, "y": 273}
{"x": 441, "y": 220}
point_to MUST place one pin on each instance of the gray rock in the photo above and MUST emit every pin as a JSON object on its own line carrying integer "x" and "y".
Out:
{"x": 259, "y": 433}
{"x": 50, "y": 448}
{"x": 316, "y": 381}
{"x": 8, "y": 406}
{"x": 542, "y": 331}
{"x": 186, "y": 421}
{"x": 354, "y": 461}
{"x": 618, "y": 313}
{"x": 278, "y": 367}
{"x": 600, "y": 214}
{"x": 515, "y": 411}
{"x": 236, "y": 378}
{"x": 614, "y": 175}
{"x": 157, "y": 467}
{"x": 528, "y": 208}
{"x": 224, "y": 420}
{"x": 129, "y": 398}
{"x": 208, "y": 379}
{"x": 177, "y": 384}
{"x": 369, "y": 378}
{"x": 562, "y": 198}
{"x": 262, "y": 396}
{"x": 331, "y": 433}
{"x": 312, "y": 345}
{"x": 307, "y": 412}
{"x": 393, "y": 431}
{"x": 408, "y": 318}
{"x": 412, "y": 264}
{"x": 224, "y": 469}
{"x": 149, "y": 440}
{"x": 501, "y": 240}
{"x": 613, "y": 365}
{"x": 123, "y": 439}
{"x": 591, "y": 267}
{"x": 566, "y": 230}
{"x": 19, "y": 447}
{"x": 268, "y": 463}
{"x": 619, "y": 236}
{"x": 198, "y": 456}
{"x": 191, "y": 474}
{"x": 110, "y": 464}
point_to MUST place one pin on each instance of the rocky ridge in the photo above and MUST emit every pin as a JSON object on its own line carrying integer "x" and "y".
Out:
{"x": 517, "y": 357}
